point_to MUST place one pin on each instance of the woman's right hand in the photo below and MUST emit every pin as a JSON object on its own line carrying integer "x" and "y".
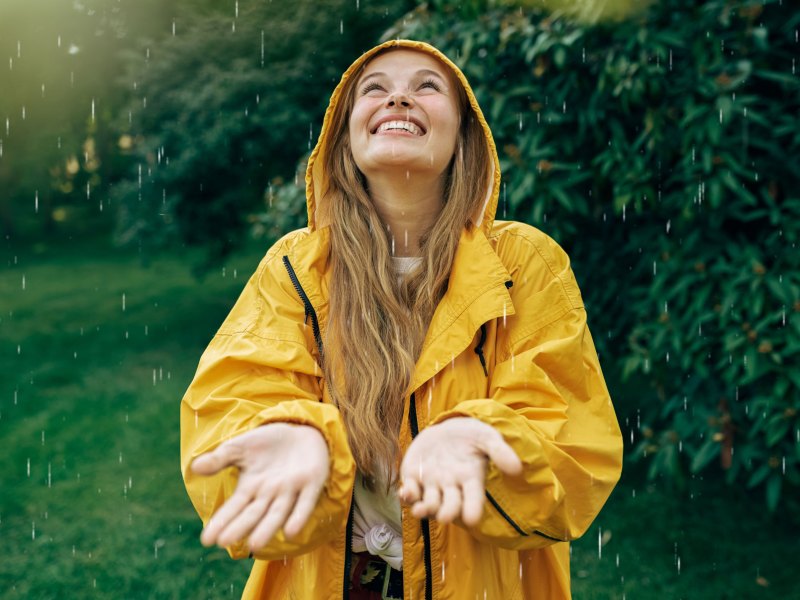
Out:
{"x": 283, "y": 468}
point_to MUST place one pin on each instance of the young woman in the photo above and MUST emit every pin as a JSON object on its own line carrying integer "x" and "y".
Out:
{"x": 405, "y": 401}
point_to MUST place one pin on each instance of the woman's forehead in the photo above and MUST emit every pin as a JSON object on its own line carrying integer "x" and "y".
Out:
{"x": 392, "y": 61}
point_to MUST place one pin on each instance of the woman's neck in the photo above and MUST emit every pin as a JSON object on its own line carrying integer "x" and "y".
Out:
{"x": 408, "y": 204}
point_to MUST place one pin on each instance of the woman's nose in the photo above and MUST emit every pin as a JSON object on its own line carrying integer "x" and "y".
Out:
{"x": 399, "y": 99}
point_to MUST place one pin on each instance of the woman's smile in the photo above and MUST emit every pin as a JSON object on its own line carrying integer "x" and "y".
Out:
{"x": 399, "y": 128}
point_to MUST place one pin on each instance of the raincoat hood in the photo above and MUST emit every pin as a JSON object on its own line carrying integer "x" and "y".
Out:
{"x": 316, "y": 177}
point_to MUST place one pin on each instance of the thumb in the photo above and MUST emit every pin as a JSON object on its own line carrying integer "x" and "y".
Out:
{"x": 502, "y": 455}
{"x": 212, "y": 462}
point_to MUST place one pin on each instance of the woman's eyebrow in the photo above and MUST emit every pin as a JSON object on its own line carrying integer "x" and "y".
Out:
{"x": 420, "y": 72}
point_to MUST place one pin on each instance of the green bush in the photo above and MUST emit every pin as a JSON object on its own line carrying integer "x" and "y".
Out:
{"x": 226, "y": 105}
{"x": 662, "y": 152}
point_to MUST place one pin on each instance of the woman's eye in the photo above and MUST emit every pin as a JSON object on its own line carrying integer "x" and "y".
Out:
{"x": 371, "y": 86}
{"x": 429, "y": 83}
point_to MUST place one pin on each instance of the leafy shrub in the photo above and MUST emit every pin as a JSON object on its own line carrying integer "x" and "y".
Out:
{"x": 224, "y": 106}
{"x": 662, "y": 152}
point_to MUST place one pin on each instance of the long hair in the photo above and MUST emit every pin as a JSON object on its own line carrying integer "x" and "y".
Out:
{"x": 377, "y": 324}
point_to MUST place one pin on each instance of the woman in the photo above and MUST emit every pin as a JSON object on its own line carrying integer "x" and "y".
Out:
{"x": 406, "y": 388}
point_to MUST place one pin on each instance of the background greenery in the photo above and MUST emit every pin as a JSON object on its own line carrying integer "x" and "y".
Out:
{"x": 150, "y": 151}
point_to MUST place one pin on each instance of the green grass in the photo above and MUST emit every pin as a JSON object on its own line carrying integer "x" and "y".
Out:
{"x": 89, "y": 397}
{"x": 711, "y": 541}
{"x": 92, "y": 502}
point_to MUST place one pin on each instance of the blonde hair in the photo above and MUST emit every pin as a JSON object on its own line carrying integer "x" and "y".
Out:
{"x": 377, "y": 324}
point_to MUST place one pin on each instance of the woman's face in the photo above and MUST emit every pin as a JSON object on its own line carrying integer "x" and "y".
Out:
{"x": 405, "y": 114}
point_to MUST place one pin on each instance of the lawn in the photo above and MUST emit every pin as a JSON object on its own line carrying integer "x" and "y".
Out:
{"x": 95, "y": 353}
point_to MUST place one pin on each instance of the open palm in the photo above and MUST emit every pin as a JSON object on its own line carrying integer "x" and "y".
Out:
{"x": 444, "y": 469}
{"x": 282, "y": 470}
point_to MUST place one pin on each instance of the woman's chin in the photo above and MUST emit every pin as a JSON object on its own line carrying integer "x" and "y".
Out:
{"x": 397, "y": 158}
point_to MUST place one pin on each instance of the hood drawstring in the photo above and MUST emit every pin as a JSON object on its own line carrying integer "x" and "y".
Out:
{"x": 479, "y": 349}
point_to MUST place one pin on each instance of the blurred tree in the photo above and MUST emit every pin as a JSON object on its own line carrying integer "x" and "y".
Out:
{"x": 227, "y": 103}
{"x": 57, "y": 95}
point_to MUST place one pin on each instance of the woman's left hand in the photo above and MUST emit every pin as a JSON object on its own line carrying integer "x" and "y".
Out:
{"x": 444, "y": 469}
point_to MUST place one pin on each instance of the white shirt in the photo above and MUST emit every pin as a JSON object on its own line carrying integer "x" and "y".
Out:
{"x": 377, "y": 526}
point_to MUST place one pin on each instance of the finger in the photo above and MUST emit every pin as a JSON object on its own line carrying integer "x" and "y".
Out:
{"x": 472, "y": 491}
{"x": 214, "y": 461}
{"x": 303, "y": 508}
{"x": 451, "y": 504}
{"x": 244, "y": 522}
{"x": 502, "y": 455}
{"x": 429, "y": 505}
{"x": 272, "y": 521}
{"x": 410, "y": 491}
{"x": 222, "y": 518}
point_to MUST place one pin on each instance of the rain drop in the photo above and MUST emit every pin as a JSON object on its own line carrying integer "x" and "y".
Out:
{"x": 600, "y": 542}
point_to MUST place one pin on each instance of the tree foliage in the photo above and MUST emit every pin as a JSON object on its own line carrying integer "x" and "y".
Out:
{"x": 226, "y": 105}
{"x": 57, "y": 96}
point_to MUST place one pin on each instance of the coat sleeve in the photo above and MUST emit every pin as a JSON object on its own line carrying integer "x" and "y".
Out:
{"x": 259, "y": 369}
{"x": 548, "y": 399}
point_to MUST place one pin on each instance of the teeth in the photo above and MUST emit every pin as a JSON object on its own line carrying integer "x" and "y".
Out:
{"x": 404, "y": 125}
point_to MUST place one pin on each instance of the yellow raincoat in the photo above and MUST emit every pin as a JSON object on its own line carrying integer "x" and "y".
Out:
{"x": 508, "y": 344}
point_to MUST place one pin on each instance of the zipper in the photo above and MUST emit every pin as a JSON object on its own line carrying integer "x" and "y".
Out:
{"x": 348, "y": 557}
{"x": 310, "y": 312}
{"x": 309, "y": 308}
{"x": 426, "y": 529}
